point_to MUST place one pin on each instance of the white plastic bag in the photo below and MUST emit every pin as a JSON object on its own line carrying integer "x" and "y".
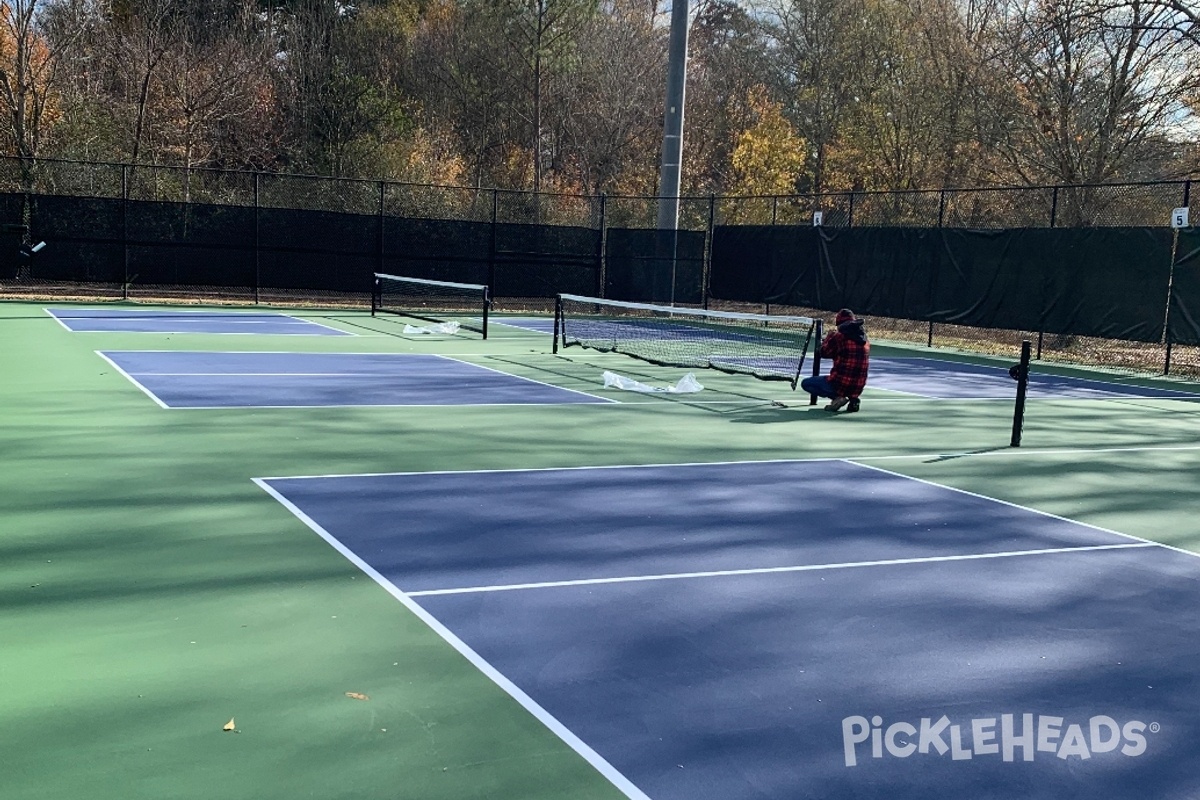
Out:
{"x": 441, "y": 327}
{"x": 686, "y": 385}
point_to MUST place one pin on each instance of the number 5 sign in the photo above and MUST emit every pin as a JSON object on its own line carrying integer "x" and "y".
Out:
{"x": 1179, "y": 217}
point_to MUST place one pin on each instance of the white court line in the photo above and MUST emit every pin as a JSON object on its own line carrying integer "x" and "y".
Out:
{"x": 601, "y": 403}
{"x": 132, "y": 380}
{"x": 600, "y": 764}
{"x": 523, "y": 378}
{"x": 1032, "y": 372}
{"x": 817, "y": 460}
{"x": 166, "y": 312}
{"x": 57, "y": 319}
{"x": 277, "y": 353}
{"x": 212, "y": 333}
{"x": 528, "y": 703}
{"x": 853, "y": 461}
{"x": 202, "y": 316}
{"x": 772, "y": 570}
{"x": 599, "y": 399}
{"x": 1032, "y": 510}
{"x": 320, "y": 325}
{"x": 269, "y": 374}
{"x": 279, "y": 319}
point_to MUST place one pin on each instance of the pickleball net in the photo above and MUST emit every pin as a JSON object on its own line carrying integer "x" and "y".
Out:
{"x": 432, "y": 300}
{"x": 769, "y": 347}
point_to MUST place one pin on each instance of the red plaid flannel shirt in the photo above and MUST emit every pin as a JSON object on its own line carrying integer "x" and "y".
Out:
{"x": 850, "y": 360}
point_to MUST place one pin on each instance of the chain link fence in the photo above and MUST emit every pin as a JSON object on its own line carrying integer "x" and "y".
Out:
{"x": 259, "y": 258}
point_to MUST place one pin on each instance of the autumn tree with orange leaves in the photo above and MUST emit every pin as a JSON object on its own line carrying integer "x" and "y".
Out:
{"x": 28, "y": 79}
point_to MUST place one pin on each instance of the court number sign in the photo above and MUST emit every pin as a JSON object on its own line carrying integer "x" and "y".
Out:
{"x": 1179, "y": 217}
{"x": 818, "y": 218}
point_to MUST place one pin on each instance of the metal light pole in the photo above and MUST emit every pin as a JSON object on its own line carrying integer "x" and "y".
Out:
{"x": 672, "y": 150}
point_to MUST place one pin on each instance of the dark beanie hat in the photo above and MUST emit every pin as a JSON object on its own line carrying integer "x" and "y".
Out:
{"x": 845, "y": 315}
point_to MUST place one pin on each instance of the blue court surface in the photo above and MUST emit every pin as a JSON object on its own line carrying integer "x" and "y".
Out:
{"x": 534, "y": 324}
{"x": 939, "y": 379}
{"x": 130, "y": 320}
{"x": 954, "y": 380}
{"x": 781, "y": 630}
{"x": 181, "y": 379}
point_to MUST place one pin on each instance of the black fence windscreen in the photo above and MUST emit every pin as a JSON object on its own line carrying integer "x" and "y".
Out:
{"x": 654, "y": 266}
{"x": 764, "y": 264}
{"x": 189, "y": 244}
{"x": 1107, "y": 282}
{"x": 544, "y": 260}
{"x": 12, "y": 234}
{"x": 1184, "y": 321}
{"x": 86, "y": 237}
{"x": 437, "y": 249}
{"x": 317, "y": 250}
{"x": 1104, "y": 282}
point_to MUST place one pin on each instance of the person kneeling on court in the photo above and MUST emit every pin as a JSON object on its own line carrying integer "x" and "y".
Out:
{"x": 847, "y": 347}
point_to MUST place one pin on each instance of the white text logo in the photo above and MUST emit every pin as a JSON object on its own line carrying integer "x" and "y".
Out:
{"x": 1009, "y": 736}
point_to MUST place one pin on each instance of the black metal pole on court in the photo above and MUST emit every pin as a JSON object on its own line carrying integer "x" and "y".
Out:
{"x": 1022, "y": 377}
{"x": 487, "y": 304}
{"x": 557, "y": 321}
{"x": 816, "y": 361}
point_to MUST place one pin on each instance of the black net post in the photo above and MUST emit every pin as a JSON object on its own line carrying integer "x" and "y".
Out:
{"x": 376, "y": 292}
{"x": 557, "y": 321}
{"x": 819, "y": 332}
{"x": 1020, "y": 372}
{"x": 487, "y": 305}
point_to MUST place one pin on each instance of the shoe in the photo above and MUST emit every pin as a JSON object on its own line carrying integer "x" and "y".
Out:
{"x": 853, "y": 405}
{"x": 837, "y": 404}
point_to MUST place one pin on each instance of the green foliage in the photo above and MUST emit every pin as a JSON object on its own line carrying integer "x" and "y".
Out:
{"x": 768, "y": 156}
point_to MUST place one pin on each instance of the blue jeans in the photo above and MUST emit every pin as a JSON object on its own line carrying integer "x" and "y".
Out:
{"x": 818, "y": 385}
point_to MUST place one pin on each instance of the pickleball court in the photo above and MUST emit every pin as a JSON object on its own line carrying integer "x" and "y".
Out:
{"x": 788, "y": 629}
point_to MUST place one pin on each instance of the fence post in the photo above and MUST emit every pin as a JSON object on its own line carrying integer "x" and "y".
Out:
{"x": 382, "y": 193}
{"x": 1166, "y": 332}
{"x": 602, "y": 256}
{"x": 706, "y": 265}
{"x": 491, "y": 281}
{"x": 941, "y": 207}
{"x": 1054, "y": 207}
{"x": 125, "y": 231}
{"x": 850, "y": 213}
{"x": 257, "y": 238}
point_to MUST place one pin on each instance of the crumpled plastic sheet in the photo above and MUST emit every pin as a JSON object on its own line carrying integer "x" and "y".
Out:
{"x": 686, "y": 385}
{"x": 441, "y": 327}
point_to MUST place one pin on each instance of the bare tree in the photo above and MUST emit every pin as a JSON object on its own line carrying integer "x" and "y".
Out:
{"x": 1097, "y": 95}
{"x": 29, "y": 75}
{"x": 730, "y": 61}
{"x": 609, "y": 109}
{"x": 204, "y": 89}
{"x": 821, "y": 50}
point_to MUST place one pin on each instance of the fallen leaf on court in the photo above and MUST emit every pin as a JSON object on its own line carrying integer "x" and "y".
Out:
{"x": 357, "y": 696}
{"x": 229, "y": 726}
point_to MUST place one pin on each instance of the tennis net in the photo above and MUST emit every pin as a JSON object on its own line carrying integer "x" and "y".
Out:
{"x": 436, "y": 301}
{"x": 765, "y": 346}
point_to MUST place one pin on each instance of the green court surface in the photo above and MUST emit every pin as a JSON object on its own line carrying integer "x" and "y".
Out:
{"x": 152, "y": 593}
